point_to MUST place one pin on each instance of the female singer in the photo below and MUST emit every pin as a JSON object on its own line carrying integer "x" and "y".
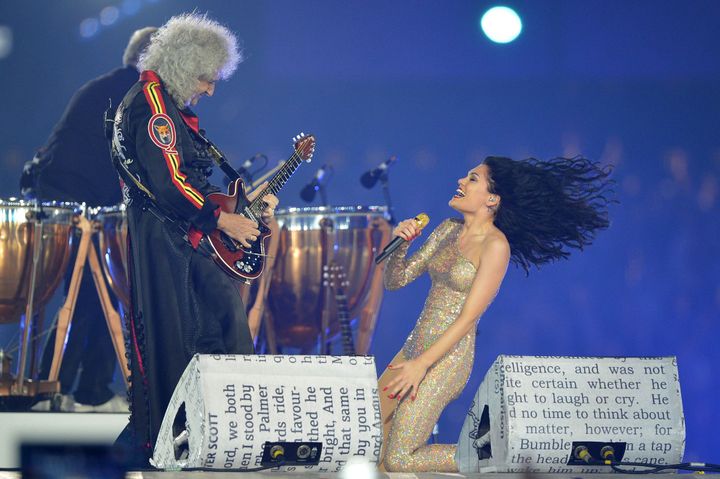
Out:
{"x": 529, "y": 212}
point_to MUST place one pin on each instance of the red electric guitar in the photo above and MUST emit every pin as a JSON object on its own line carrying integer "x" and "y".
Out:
{"x": 247, "y": 263}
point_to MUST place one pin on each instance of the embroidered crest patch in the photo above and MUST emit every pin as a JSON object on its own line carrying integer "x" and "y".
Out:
{"x": 162, "y": 131}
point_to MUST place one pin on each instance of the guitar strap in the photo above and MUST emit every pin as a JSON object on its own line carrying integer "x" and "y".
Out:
{"x": 219, "y": 158}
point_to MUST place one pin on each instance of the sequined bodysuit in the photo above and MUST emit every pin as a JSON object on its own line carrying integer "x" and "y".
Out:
{"x": 452, "y": 276}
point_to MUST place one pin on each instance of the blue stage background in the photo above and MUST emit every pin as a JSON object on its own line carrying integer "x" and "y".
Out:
{"x": 632, "y": 83}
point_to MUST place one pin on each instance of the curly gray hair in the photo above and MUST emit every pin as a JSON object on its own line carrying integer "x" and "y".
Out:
{"x": 187, "y": 48}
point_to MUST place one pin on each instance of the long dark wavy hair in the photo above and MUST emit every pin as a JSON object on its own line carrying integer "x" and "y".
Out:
{"x": 548, "y": 207}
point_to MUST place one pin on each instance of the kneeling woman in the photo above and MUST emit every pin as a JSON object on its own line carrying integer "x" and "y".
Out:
{"x": 528, "y": 212}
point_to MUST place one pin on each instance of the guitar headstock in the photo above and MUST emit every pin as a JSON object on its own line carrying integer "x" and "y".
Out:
{"x": 304, "y": 146}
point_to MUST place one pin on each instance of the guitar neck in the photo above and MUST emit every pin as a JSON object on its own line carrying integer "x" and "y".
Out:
{"x": 276, "y": 183}
{"x": 344, "y": 319}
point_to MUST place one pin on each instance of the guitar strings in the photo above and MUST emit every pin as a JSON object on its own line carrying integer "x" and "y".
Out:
{"x": 259, "y": 254}
{"x": 271, "y": 186}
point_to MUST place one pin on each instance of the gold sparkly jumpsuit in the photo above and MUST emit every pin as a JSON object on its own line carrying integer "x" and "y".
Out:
{"x": 452, "y": 276}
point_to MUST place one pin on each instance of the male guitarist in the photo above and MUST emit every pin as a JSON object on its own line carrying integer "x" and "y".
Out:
{"x": 182, "y": 303}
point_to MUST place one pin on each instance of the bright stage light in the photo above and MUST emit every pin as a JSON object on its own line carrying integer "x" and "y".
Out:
{"x": 359, "y": 468}
{"x": 501, "y": 24}
{"x": 6, "y": 41}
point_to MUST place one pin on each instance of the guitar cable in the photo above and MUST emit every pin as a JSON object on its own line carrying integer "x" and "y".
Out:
{"x": 621, "y": 467}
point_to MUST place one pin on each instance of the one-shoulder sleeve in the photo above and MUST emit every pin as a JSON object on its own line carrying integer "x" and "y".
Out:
{"x": 400, "y": 270}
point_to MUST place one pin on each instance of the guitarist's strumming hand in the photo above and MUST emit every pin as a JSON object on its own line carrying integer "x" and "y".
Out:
{"x": 241, "y": 229}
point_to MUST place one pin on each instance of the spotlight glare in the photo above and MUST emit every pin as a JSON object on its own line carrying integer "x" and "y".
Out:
{"x": 6, "y": 41}
{"x": 501, "y": 24}
{"x": 109, "y": 15}
{"x": 359, "y": 468}
{"x": 89, "y": 27}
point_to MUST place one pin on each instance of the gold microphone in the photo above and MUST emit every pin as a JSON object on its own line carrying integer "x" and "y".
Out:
{"x": 421, "y": 221}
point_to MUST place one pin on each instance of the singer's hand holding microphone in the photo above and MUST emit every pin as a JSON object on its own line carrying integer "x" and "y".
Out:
{"x": 404, "y": 232}
{"x": 409, "y": 229}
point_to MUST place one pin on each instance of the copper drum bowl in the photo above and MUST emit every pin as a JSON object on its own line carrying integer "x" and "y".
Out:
{"x": 17, "y": 237}
{"x": 112, "y": 234}
{"x": 311, "y": 238}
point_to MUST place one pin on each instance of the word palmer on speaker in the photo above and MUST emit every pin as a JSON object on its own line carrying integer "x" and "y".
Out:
{"x": 532, "y": 413}
{"x": 227, "y": 409}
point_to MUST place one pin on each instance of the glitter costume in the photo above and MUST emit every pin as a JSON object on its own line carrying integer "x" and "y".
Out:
{"x": 452, "y": 276}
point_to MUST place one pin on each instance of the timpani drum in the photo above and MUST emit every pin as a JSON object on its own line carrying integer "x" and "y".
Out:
{"x": 112, "y": 235}
{"x": 310, "y": 239}
{"x": 17, "y": 238}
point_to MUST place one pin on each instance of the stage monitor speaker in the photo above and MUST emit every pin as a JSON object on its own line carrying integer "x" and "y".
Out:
{"x": 535, "y": 414}
{"x": 243, "y": 412}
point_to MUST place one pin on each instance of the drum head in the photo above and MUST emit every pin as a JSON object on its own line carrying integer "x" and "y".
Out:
{"x": 112, "y": 235}
{"x": 17, "y": 239}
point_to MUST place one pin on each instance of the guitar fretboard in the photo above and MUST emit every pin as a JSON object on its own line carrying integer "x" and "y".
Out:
{"x": 344, "y": 319}
{"x": 276, "y": 183}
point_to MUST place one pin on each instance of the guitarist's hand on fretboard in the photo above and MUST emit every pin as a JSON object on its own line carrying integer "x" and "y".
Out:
{"x": 238, "y": 227}
{"x": 270, "y": 200}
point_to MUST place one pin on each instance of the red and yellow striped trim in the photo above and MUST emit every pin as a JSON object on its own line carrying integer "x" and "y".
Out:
{"x": 172, "y": 159}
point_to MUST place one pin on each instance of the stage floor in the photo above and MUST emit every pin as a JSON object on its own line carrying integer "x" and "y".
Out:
{"x": 104, "y": 428}
{"x": 50, "y": 427}
{"x": 380, "y": 475}
{"x": 394, "y": 475}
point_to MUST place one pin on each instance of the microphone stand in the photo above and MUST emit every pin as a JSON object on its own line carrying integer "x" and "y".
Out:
{"x": 247, "y": 179}
{"x": 323, "y": 194}
{"x": 388, "y": 201}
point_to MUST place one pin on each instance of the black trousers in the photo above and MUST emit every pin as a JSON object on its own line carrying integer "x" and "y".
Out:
{"x": 183, "y": 304}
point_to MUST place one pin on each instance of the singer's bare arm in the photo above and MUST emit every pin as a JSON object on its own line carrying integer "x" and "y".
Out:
{"x": 400, "y": 270}
{"x": 493, "y": 264}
